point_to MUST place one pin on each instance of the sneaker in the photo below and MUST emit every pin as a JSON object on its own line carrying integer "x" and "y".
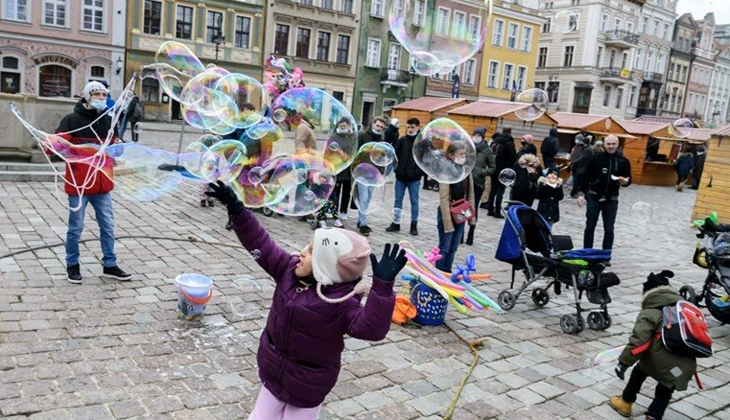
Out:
{"x": 622, "y": 407}
{"x": 322, "y": 224}
{"x": 203, "y": 203}
{"x": 229, "y": 225}
{"x": 365, "y": 230}
{"x": 74, "y": 274}
{"x": 343, "y": 217}
{"x": 116, "y": 273}
{"x": 414, "y": 228}
{"x": 338, "y": 223}
{"x": 211, "y": 202}
{"x": 394, "y": 227}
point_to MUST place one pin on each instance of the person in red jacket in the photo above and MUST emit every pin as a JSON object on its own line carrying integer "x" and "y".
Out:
{"x": 89, "y": 181}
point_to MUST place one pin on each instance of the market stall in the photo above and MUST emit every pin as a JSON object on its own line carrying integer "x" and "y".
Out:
{"x": 494, "y": 115}
{"x": 425, "y": 109}
{"x": 714, "y": 190}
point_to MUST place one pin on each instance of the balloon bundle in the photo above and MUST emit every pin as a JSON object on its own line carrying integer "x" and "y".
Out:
{"x": 456, "y": 287}
{"x": 280, "y": 77}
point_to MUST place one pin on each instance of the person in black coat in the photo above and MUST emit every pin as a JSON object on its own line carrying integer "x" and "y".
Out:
{"x": 407, "y": 177}
{"x": 527, "y": 171}
{"x": 392, "y": 132}
{"x": 550, "y": 192}
{"x": 505, "y": 156}
{"x": 683, "y": 166}
{"x": 550, "y": 147}
{"x": 528, "y": 148}
{"x": 699, "y": 165}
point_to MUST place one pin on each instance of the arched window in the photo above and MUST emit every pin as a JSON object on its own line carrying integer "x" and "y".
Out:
{"x": 54, "y": 81}
{"x": 150, "y": 90}
{"x": 97, "y": 73}
{"x": 10, "y": 75}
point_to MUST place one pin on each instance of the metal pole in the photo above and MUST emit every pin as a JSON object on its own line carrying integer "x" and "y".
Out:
{"x": 176, "y": 167}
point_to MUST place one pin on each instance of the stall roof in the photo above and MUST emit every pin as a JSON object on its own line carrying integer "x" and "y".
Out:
{"x": 655, "y": 119}
{"x": 493, "y": 109}
{"x": 571, "y": 120}
{"x": 429, "y": 104}
{"x": 642, "y": 127}
{"x": 722, "y": 131}
{"x": 696, "y": 135}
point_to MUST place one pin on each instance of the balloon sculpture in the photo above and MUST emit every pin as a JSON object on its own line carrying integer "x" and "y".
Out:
{"x": 701, "y": 222}
{"x": 456, "y": 287}
{"x": 280, "y": 77}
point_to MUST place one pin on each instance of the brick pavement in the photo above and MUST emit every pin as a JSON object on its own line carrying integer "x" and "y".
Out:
{"x": 108, "y": 350}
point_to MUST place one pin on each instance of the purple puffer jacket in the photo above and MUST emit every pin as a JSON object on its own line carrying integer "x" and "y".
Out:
{"x": 300, "y": 348}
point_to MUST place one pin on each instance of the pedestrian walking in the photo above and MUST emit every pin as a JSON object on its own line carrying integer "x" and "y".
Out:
{"x": 343, "y": 186}
{"x": 698, "y": 167}
{"x": 527, "y": 171}
{"x": 550, "y": 148}
{"x": 485, "y": 166}
{"x": 374, "y": 133}
{"x": 407, "y": 177}
{"x": 505, "y": 156}
{"x": 583, "y": 152}
{"x": 133, "y": 114}
{"x": 528, "y": 148}
{"x": 683, "y": 167}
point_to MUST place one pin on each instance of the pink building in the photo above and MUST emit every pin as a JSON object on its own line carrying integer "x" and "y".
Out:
{"x": 52, "y": 48}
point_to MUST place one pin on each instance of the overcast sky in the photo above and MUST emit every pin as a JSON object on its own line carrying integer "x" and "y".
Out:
{"x": 699, "y": 8}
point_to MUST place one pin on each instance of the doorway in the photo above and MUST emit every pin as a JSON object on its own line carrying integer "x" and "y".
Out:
{"x": 582, "y": 101}
{"x": 367, "y": 113}
{"x": 175, "y": 108}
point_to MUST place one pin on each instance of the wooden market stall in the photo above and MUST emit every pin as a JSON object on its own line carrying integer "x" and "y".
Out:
{"x": 493, "y": 114}
{"x": 714, "y": 190}
{"x": 425, "y": 109}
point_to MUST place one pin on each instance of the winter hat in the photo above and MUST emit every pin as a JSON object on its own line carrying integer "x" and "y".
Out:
{"x": 553, "y": 170}
{"x": 338, "y": 256}
{"x": 93, "y": 87}
{"x": 480, "y": 130}
{"x": 580, "y": 138}
{"x": 657, "y": 280}
{"x": 394, "y": 122}
{"x": 528, "y": 138}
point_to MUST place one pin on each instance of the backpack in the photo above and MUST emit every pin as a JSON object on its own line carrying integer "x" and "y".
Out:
{"x": 137, "y": 113}
{"x": 684, "y": 330}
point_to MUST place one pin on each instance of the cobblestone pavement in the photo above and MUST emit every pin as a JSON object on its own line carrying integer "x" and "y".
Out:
{"x": 107, "y": 350}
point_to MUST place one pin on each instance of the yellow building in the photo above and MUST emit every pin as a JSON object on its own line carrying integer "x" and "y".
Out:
{"x": 510, "y": 51}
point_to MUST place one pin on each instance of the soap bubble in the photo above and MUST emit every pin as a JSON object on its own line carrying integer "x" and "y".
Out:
{"x": 601, "y": 367}
{"x": 334, "y": 146}
{"x": 136, "y": 173}
{"x": 192, "y": 158}
{"x": 564, "y": 22}
{"x": 223, "y": 160}
{"x": 441, "y": 42}
{"x": 255, "y": 175}
{"x": 537, "y": 101}
{"x": 296, "y": 199}
{"x": 507, "y": 177}
{"x": 395, "y": 215}
{"x": 375, "y": 194}
{"x": 681, "y": 128}
{"x": 325, "y": 114}
{"x": 244, "y": 91}
{"x": 245, "y": 304}
{"x": 373, "y": 163}
{"x": 641, "y": 212}
{"x": 175, "y": 66}
{"x": 438, "y": 148}
{"x": 255, "y": 253}
{"x": 608, "y": 357}
{"x": 137, "y": 128}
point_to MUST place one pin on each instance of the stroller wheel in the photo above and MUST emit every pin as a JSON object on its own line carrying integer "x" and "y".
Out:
{"x": 595, "y": 321}
{"x": 569, "y": 324}
{"x": 267, "y": 212}
{"x": 688, "y": 294}
{"x": 540, "y": 297}
{"x": 506, "y": 300}
{"x": 606, "y": 321}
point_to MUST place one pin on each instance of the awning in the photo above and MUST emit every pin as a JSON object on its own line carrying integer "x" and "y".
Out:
{"x": 568, "y": 131}
{"x": 619, "y": 135}
{"x": 691, "y": 141}
{"x": 581, "y": 85}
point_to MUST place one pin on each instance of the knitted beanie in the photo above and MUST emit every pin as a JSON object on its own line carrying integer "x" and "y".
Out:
{"x": 93, "y": 87}
{"x": 339, "y": 256}
{"x": 657, "y": 280}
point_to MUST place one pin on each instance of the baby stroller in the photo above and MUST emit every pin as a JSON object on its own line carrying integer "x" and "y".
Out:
{"x": 528, "y": 245}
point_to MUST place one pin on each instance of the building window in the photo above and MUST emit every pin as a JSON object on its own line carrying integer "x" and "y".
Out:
{"x": 54, "y": 81}
{"x": 469, "y": 71}
{"x": 475, "y": 23}
{"x": 93, "y": 15}
{"x": 606, "y": 95}
{"x": 15, "y": 10}
{"x": 442, "y": 22}
{"x": 184, "y": 23}
{"x": 568, "y": 56}
{"x": 97, "y": 73}
{"x": 512, "y": 36}
{"x": 666, "y": 34}
{"x": 55, "y": 12}
{"x": 150, "y": 90}
{"x": 650, "y": 61}
{"x": 419, "y": 13}
{"x": 507, "y": 78}
{"x": 604, "y": 22}
{"x": 526, "y": 39}
{"x": 493, "y": 70}
{"x": 546, "y": 26}
{"x": 630, "y": 27}
{"x": 394, "y": 56}
{"x": 498, "y": 33}
{"x": 152, "y": 15}
{"x": 376, "y": 8}
{"x": 656, "y": 27}
{"x": 542, "y": 57}
{"x": 632, "y": 96}
{"x": 372, "y": 58}
{"x": 643, "y": 24}
{"x": 214, "y": 28}
{"x": 619, "y": 97}
{"x": 307, "y": 2}
{"x": 327, "y": 4}
{"x": 521, "y": 78}
{"x": 347, "y": 6}
{"x": 553, "y": 91}
{"x": 281, "y": 40}
{"x": 397, "y": 9}
{"x": 9, "y": 75}
{"x": 598, "y": 57}
{"x": 303, "y": 42}
{"x": 617, "y": 25}
{"x": 660, "y": 64}
{"x": 639, "y": 63}
{"x": 458, "y": 30}
{"x": 323, "y": 46}
{"x": 343, "y": 49}
{"x": 573, "y": 22}
{"x": 243, "y": 32}
{"x": 340, "y": 96}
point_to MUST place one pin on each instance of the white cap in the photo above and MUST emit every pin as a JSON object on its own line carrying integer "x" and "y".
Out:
{"x": 93, "y": 87}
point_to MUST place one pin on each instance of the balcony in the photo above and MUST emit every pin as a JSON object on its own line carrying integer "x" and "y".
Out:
{"x": 621, "y": 39}
{"x": 614, "y": 75}
{"x": 645, "y": 111}
{"x": 393, "y": 77}
{"x": 652, "y": 77}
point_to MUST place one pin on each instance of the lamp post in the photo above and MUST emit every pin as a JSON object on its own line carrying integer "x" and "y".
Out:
{"x": 412, "y": 71}
{"x": 218, "y": 40}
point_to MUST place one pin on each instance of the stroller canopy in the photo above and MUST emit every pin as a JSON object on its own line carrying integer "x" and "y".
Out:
{"x": 524, "y": 227}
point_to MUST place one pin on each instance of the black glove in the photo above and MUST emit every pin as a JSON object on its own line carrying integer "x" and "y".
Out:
{"x": 390, "y": 265}
{"x": 225, "y": 194}
{"x": 620, "y": 370}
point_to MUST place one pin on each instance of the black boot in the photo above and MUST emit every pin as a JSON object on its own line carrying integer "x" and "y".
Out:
{"x": 414, "y": 228}
{"x": 394, "y": 227}
{"x": 470, "y": 236}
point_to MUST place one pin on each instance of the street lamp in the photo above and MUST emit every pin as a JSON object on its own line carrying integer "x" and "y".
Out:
{"x": 120, "y": 64}
{"x": 412, "y": 71}
{"x": 218, "y": 40}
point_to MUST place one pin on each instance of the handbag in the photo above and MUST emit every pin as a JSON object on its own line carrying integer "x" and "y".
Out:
{"x": 461, "y": 209}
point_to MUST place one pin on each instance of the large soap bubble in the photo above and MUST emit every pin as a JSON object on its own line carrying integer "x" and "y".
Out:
{"x": 374, "y": 162}
{"x": 564, "y": 22}
{"x": 681, "y": 128}
{"x": 438, "y": 41}
{"x": 537, "y": 104}
{"x": 375, "y": 196}
{"x": 444, "y": 151}
{"x": 307, "y": 182}
{"x": 641, "y": 212}
{"x": 175, "y": 65}
{"x": 507, "y": 177}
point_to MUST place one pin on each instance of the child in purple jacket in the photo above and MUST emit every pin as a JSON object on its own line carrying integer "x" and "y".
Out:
{"x": 316, "y": 303}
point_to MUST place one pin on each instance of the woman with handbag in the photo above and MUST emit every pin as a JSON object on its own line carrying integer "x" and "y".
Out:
{"x": 527, "y": 171}
{"x": 456, "y": 209}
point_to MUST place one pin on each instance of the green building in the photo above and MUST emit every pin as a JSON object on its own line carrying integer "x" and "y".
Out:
{"x": 383, "y": 65}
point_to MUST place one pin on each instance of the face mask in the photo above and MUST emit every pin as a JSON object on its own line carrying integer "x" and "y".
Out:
{"x": 376, "y": 132}
{"x": 523, "y": 142}
{"x": 460, "y": 161}
{"x": 477, "y": 139}
{"x": 343, "y": 130}
{"x": 98, "y": 104}
{"x": 577, "y": 142}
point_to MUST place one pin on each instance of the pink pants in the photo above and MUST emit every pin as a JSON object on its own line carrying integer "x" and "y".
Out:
{"x": 268, "y": 407}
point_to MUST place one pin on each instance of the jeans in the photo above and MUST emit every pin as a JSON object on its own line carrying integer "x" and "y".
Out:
{"x": 662, "y": 394}
{"x": 448, "y": 243}
{"x": 364, "y": 194}
{"x": 400, "y": 191}
{"x": 268, "y": 407}
{"x": 608, "y": 210}
{"x": 341, "y": 194}
{"x": 102, "y": 204}
{"x": 494, "y": 204}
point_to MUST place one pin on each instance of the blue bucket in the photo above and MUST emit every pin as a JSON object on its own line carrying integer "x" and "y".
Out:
{"x": 194, "y": 291}
{"x": 430, "y": 305}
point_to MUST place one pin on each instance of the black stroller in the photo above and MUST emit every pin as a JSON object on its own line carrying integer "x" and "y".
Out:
{"x": 528, "y": 245}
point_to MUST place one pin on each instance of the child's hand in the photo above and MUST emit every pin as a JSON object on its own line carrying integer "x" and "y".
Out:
{"x": 225, "y": 194}
{"x": 620, "y": 370}
{"x": 390, "y": 265}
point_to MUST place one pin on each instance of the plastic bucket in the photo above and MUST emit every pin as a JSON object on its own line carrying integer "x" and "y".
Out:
{"x": 194, "y": 291}
{"x": 430, "y": 305}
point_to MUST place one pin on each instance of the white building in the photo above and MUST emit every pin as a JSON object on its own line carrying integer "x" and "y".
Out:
{"x": 719, "y": 95}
